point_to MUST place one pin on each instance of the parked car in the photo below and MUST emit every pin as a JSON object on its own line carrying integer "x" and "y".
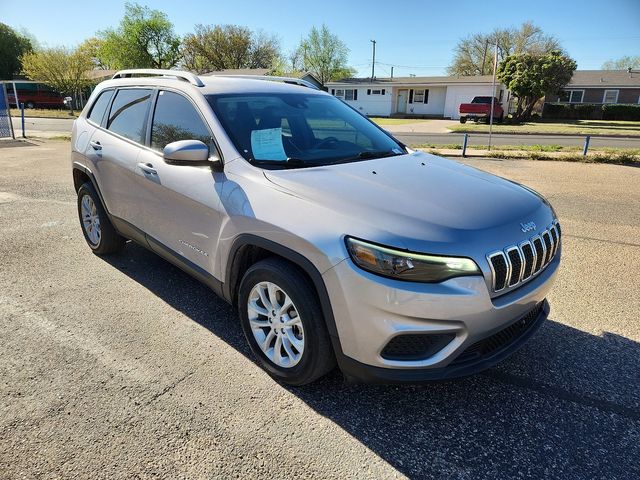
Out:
{"x": 35, "y": 95}
{"x": 334, "y": 241}
{"x": 480, "y": 108}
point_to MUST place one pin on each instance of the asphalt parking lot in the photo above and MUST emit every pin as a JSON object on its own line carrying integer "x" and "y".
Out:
{"x": 125, "y": 367}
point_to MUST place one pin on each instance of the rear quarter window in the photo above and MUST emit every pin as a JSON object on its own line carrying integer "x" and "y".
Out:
{"x": 100, "y": 106}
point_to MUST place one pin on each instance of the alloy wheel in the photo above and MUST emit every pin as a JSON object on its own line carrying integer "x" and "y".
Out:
{"x": 90, "y": 220}
{"x": 276, "y": 324}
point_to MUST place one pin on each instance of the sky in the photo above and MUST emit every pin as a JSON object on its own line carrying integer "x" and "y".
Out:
{"x": 417, "y": 37}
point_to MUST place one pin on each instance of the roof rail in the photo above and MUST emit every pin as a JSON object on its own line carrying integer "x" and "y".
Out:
{"x": 269, "y": 78}
{"x": 180, "y": 75}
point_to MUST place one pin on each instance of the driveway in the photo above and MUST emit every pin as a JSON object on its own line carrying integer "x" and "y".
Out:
{"x": 125, "y": 367}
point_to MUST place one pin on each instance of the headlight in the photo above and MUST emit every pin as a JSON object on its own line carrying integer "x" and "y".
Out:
{"x": 412, "y": 267}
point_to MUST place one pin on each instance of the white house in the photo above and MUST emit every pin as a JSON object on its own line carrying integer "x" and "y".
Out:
{"x": 437, "y": 97}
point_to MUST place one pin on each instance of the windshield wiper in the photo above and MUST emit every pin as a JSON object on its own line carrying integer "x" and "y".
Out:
{"x": 377, "y": 154}
{"x": 290, "y": 162}
{"x": 367, "y": 155}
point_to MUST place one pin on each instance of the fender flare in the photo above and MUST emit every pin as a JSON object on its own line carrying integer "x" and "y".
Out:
{"x": 298, "y": 260}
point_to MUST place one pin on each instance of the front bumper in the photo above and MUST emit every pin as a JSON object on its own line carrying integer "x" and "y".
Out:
{"x": 370, "y": 311}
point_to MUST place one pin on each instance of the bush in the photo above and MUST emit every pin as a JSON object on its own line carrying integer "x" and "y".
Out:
{"x": 579, "y": 111}
{"x": 590, "y": 111}
{"x": 584, "y": 111}
{"x": 612, "y": 111}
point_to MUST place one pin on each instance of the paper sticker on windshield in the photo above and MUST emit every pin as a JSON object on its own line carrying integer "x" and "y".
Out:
{"x": 267, "y": 144}
{"x": 396, "y": 150}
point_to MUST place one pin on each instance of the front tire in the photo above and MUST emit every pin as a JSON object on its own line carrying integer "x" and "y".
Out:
{"x": 97, "y": 229}
{"x": 283, "y": 322}
{"x": 463, "y": 119}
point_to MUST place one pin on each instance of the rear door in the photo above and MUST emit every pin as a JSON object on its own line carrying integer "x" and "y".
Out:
{"x": 183, "y": 206}
{"x": 116, "y": 148}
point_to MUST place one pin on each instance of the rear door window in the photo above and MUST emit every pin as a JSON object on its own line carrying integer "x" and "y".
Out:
{"x": 129, "y": 113}
{"x": 175, "y": 118}
{"x": 100, "y": 106}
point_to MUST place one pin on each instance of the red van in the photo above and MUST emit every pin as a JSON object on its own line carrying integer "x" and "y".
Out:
{"x": 34, "y": 95}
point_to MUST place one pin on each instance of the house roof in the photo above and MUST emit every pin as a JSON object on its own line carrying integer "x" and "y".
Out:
{"x": 415, "y": 80}
{"x": 604, "y": 78}
{"x": 239, "y": 71}
{"x": 581, "y": 78}
{"x": 99, "y": 74}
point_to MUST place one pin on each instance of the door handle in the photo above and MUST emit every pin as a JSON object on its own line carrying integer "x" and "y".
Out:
{"x": 147, "y": 168}
{"x": 95, "y": 145}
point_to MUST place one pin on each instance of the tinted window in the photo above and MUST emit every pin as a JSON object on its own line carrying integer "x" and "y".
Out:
{"x": 175, "y": 118}
{"x": 128, "y": 115}
{"x": 99, "y": 106}
{"x": 299, "y": 129}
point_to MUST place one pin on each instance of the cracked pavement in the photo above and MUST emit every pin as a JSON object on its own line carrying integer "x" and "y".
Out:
{"x": 125, "y": 367}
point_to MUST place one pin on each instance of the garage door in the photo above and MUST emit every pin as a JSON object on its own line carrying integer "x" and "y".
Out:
{"x": 460, "y": 98}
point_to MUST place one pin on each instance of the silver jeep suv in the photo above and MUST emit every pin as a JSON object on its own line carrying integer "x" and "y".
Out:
{"x": 335, "y": 241}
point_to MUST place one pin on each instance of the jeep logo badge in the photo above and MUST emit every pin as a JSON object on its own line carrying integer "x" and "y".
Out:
{"x": 527, "y": 227}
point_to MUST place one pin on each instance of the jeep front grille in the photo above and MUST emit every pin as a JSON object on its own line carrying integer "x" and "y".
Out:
{"x": 517, "y": 264}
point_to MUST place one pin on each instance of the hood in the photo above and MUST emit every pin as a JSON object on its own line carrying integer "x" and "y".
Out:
{"x": 417, "y": 195}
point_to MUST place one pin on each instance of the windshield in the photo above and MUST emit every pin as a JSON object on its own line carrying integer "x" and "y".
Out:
{"x": 481, "y": 100}
{"x": 293, "y": 130}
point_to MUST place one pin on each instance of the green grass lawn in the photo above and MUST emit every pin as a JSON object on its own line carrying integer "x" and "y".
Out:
{"x": 568, "y": 127}
{"x": 44, "y": 112}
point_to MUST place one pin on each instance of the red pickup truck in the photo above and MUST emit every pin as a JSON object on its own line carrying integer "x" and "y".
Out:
{"x": 480, "y": 107}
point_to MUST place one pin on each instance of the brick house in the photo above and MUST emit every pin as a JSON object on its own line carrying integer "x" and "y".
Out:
{"x": 599, "y": 87}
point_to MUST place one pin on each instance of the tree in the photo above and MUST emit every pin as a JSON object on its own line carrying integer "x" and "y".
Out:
{"x": 324, "y": 55}
{"x": 530, "y": 77}
{"x": 474, "y": 54}
{"x": 622, "y": 63}
{"x": 91, "y": 47}
{"x": 62, "y": 69}
{"x": 218, "y": 47}
{"x": 12, "y": 46}
{"x": 144, "y": 39}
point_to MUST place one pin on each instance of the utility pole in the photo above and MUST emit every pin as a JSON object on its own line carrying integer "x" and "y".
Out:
{"x": 373, "y": 62}
{"x": 493, "y": 93}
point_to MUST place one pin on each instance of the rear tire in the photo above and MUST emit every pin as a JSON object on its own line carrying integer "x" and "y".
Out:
{"x": 463, "y": 119}
{"x": 30, "y": 105}
{"x": 279, "y": 310}
{"x": 97, "y": 229}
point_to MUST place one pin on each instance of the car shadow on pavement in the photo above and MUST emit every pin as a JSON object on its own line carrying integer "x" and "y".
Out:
{"x": 566, "y": 406}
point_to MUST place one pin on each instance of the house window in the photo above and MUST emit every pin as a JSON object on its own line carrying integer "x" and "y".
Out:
{"x": 419, "y": 96}
{"x": 347, "y": 93}
{"x": 375, "y": 91}
{"x": 571, "y": 96}
{"x": 610, "y": 96}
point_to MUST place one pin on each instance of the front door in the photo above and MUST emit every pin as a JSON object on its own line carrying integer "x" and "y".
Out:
{"x": 401, "y": 106}
{"x": 183, "y": 211}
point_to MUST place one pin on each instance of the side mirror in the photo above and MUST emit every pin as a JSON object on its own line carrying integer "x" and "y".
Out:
{"x": 186, "y": 151}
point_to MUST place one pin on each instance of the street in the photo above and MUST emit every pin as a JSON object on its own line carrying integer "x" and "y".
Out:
{"x": 125, "y": 367}
{"x": 48, "y": 127}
